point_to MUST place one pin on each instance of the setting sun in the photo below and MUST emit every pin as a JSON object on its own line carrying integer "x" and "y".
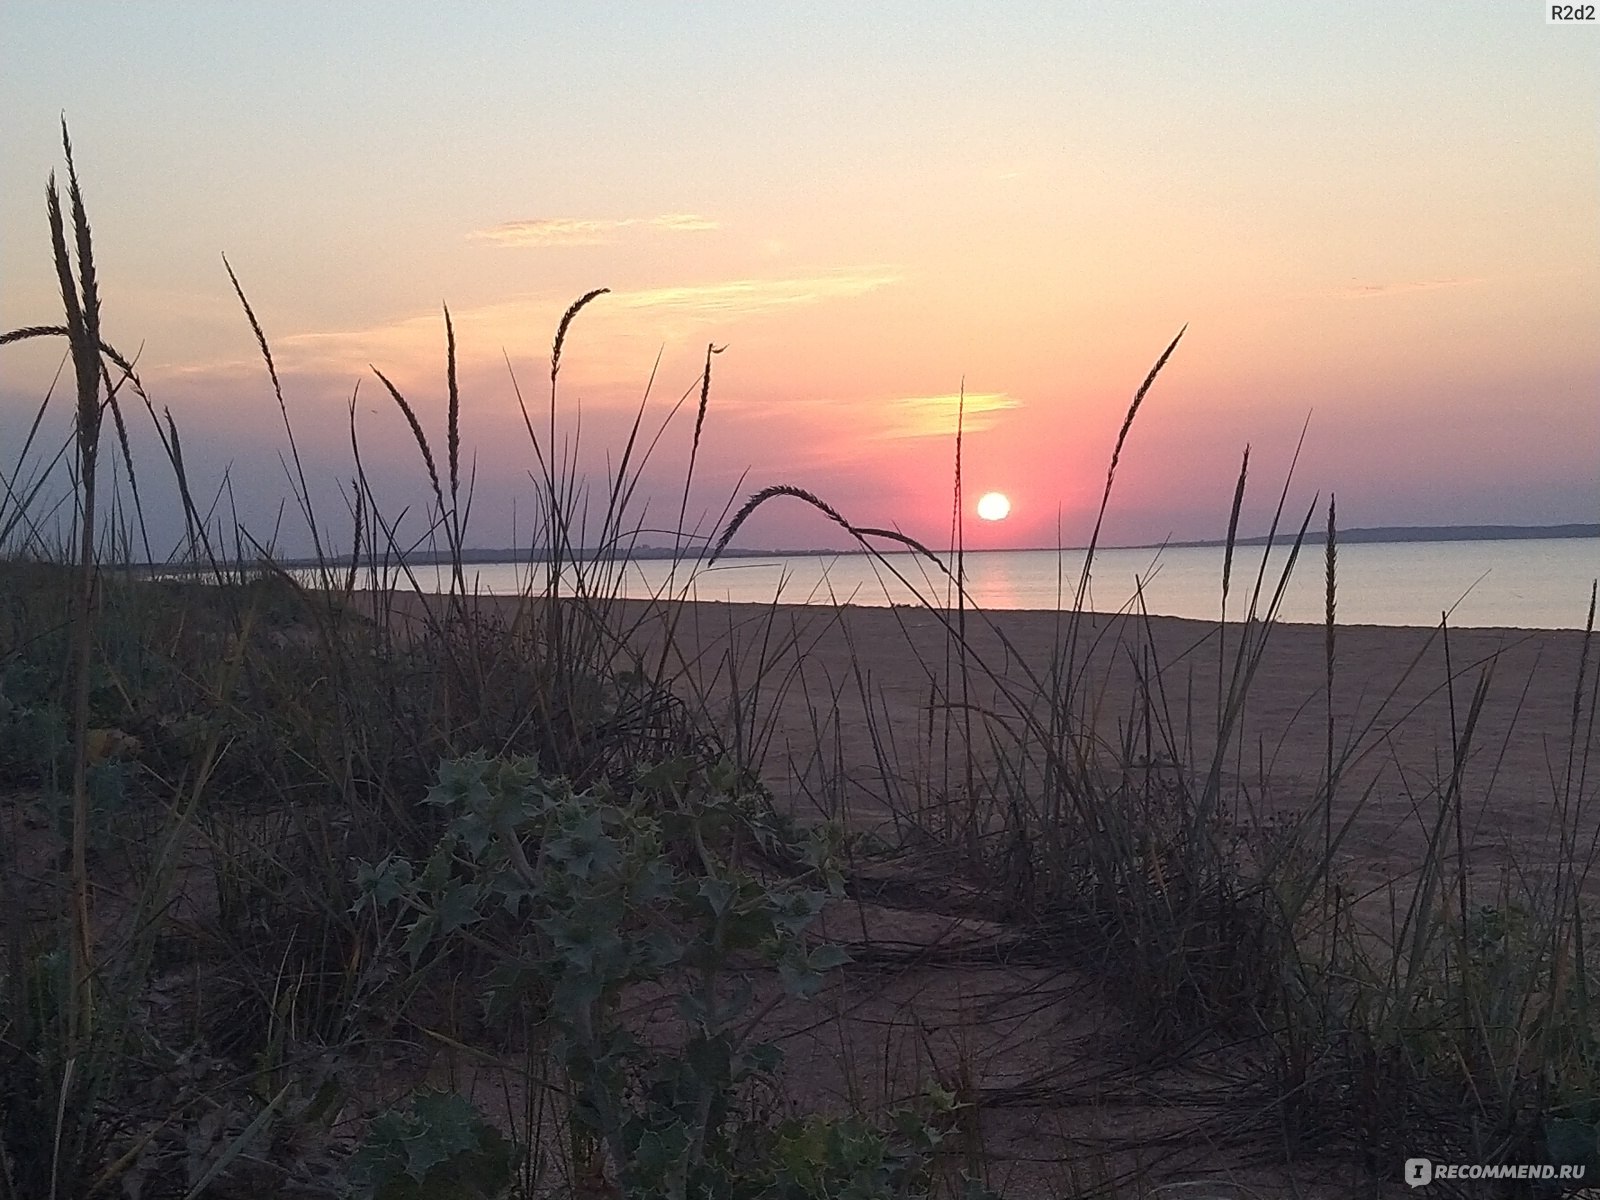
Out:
{"x": 738, "y": 605}
{"x": 994, "y": 506}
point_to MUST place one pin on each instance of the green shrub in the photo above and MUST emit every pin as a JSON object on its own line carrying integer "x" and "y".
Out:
{"x": 580, "y": 895}
{"x": 441, "y": 1149}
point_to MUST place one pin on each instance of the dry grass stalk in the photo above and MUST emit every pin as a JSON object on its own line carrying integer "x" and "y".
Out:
{"x": 81, "y": 301}
{"x": 573, "y": 310}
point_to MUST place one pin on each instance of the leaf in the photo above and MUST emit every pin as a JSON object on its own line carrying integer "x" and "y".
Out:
{"x": 447, "y": 1120}
{"x": 386, "y": 882}
{"x": 798, "y": 981}
{"x": 458, "y": 907}
{"x": 475, "y": 832}
{"x": 658, "y": 1150}
{"x": 718, "y": 895}
{"x": 459, "y": 779}
{"x": 441, "y": 1149}
{"x": 671, "y": 775}
{"x": 418, "y": 934}
{"x": 659, "y": 949}
{"x": 797, "y": 910}
{"x": 828, "y": 956}
{"x": 513, "y": 892}
{"x": 693, "y": 1009}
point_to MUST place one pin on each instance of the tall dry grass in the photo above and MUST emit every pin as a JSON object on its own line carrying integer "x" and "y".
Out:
{"x": 288, "y": 719}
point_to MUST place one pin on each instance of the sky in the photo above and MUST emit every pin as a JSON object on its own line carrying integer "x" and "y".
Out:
{"x": 1379, "y": 223}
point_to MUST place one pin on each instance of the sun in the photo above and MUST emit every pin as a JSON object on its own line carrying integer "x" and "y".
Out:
{"x": 994, "y": 506}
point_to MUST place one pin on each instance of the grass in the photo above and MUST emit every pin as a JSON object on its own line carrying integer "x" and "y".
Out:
{"x": 247, "y": 924}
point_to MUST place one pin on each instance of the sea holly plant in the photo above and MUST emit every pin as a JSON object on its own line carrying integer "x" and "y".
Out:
{"x": 441, "y": 1148}
{"x": 576, "y": 896}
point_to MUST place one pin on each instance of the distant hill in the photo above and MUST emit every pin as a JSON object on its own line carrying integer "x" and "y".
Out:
{"x": 423, "y": 558}
{"x": 1410, "y": 533}
{"x": 1314, "y": 537}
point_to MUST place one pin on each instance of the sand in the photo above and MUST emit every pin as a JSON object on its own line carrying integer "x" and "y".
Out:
{"x": 841, "y": 713}
{"x": 1397, "y": 713}
{"x": 841, "y": 718}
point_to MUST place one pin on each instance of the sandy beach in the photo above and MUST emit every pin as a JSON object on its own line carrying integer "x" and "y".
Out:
{"x": 838, "y": 686}
{"x": 1395, "y": 705}
{"x": 841, "y": 718}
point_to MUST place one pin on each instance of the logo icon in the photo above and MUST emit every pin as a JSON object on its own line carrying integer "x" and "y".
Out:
{"x": 1419, "y": 1172}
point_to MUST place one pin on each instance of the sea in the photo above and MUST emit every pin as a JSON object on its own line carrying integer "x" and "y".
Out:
{"x": 1526, "y": 583}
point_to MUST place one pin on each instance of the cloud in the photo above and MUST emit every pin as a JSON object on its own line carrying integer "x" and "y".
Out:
{"x": 745, "y": 297}
{"x": 683, "y": 223}
{"x": 585, "y": 231}
{"x": 938, "y": 416}
{"x": 671, "y": 312}
{"x": 1363, "y": 291}
{"x": 392, "y": 346}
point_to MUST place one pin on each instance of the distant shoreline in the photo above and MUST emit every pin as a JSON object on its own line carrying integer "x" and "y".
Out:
{"x": 1399, "y": 534}
{"x": 1403, "y": 534}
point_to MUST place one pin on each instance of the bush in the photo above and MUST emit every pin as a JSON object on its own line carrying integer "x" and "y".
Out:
{"x": 578, "y": 896}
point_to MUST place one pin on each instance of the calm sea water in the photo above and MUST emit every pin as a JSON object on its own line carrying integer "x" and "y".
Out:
{"x": 1528, "y": 584}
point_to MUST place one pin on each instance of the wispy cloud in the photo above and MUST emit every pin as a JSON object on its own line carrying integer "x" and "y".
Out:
{"x": 1364, "y": 291}
{"x": 938, "y": 416}
{"x": 652, "y": 313}
{"x": 683, "y": 223}
{"x": 585, "y": 231}
{"x": 750, "y": 296}
{"x": 410, "y": 340}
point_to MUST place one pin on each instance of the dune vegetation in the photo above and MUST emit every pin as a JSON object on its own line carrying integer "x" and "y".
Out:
{"x": 343, "y": 880}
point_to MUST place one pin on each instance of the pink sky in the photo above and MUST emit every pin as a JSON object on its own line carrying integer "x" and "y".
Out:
{"x": 1384, "y": 218}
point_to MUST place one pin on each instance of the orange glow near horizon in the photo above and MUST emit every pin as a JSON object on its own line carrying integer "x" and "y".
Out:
{"x": 1379, "y": 225}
